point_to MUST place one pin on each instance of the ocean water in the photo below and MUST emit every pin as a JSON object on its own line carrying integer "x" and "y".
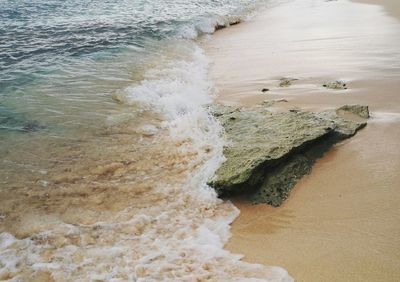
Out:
{"x": 106, "y": 143}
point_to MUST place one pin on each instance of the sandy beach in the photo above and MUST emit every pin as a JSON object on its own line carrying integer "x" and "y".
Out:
{"x": 341, "y": 222}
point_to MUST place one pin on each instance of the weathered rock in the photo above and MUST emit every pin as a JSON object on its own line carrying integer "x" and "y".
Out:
{"x": 343, "y": 128}
{"x": 279, "y": 181}
{"x": 233, "y": 21}
{"x": 268, "y": 152}
{"x": 359, "y": 110}
{"x": 337, "y": 85}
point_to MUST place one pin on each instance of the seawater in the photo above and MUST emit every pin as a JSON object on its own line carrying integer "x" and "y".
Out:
{"x": 106, "y": 143}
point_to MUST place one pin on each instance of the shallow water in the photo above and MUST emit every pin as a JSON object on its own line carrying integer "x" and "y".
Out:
{"x": 106, "y": 144}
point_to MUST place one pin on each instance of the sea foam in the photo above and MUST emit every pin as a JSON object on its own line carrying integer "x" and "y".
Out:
{"x": 180, "y": 231}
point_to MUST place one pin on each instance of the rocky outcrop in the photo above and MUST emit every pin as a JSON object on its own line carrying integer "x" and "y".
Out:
{"x": 359, "y": 110}
{"x": 268, "y": 152}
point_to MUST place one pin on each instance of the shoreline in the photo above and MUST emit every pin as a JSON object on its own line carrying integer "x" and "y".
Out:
{"x": 340, "y": 223}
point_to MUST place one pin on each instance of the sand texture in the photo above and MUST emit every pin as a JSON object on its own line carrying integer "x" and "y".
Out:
{"x": 341, "y": 222}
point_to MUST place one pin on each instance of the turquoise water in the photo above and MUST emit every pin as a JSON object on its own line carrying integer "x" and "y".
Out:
{"x": 64, "y": 66}
{"x": 66, "y": 56}
{"x": 106, "y": 144}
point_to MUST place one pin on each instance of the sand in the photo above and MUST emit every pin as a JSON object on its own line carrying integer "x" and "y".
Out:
{"x": 342, "y": 222}
{"x": 392, "y": 7}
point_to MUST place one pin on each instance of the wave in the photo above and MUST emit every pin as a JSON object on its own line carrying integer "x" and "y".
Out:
{"x": 135, "y": 205}
{"x": 178, "y": 227}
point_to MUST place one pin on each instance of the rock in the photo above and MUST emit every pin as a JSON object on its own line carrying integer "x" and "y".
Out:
{"x": 267, "y": 152}
{"x": 286, "y": 81}
{"x": 359, "y": 110}
{"x": 278, "y": 183}
{"x": 344, "y": 128}
{"x": 264, "y": 90}
{"x": 220, "y": 26}
{"x": 233, "y": 21}
{"x": 257, "y": 137}
{"x": 337, "y": 85}
{"x": 220, "y": 110}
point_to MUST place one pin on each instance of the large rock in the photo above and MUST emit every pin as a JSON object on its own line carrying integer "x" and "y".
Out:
{"x": 267, "y": 152}
{"x": 359, "y": 110}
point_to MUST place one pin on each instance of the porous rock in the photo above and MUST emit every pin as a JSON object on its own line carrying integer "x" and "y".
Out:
{"x": 337, "y": 85}
{"x": 359, "y": 110}
{"x": 268, "y": 152}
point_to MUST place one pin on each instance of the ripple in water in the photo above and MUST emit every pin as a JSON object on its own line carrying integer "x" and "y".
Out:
{"x": 111, "y": 185}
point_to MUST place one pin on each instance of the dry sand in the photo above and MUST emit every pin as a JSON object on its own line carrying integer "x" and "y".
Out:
{"x": 342, "y": 222}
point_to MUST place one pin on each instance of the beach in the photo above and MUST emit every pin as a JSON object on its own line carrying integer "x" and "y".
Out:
{"x": 115, "y": 155}
{"x": 107, "y": 143}
{"x": 341, "y": 222}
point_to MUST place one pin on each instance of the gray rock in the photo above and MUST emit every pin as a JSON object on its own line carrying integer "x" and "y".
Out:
{"x": 359, "y": 110}
{"x": 232, "y": 21}
{"x": 337, "y": 85}
{"x": 267, "y": 152}
{"x": 343, "y": 128}
{"x": 280, "y": 180}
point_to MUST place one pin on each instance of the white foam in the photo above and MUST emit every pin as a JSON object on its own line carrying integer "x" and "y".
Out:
{"x": 206, "y": 26}
{"x": 175, "y": 90}
{"x": 385, "y": 117}
{"x": 181, "y": 237}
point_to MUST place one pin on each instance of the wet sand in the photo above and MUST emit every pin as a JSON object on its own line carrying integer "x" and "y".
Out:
{"x": 392, "y": 7}
{"x": 341, "y": 222}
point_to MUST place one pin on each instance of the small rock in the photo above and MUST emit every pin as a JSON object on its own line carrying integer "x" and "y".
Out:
{"x": 337, "y": 85}
{"x": 265, "y": 90}
{"x": 359, "y": 110}
{"x": 235, "y": 22}
{"x": 219, "y": 26}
